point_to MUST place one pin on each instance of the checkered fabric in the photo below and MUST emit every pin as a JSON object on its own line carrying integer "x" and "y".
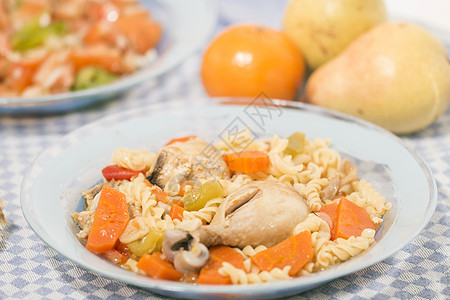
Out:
{"x": 31, "y": 270}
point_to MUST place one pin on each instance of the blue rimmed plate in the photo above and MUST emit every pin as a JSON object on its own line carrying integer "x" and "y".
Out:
{"x": 52, "y": 186}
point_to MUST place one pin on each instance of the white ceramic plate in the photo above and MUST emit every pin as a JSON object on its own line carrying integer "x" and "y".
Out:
{"x": 187, "y": 25}
{"x": 52, "y": 186}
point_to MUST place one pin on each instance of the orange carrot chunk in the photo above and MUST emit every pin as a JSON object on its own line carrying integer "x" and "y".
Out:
{"x": 176, "y": 212}
{"x": 157, "y": 267}
{"x": 99, "y": 56}
{"x": 142, "y": 33}
{"x": 351, "y": 219}
{"x": 110, "y": 219}
{"x": 295, "y": 251}
{"x": 209, "y": 274}
{"x": 329, "y": 214}
{"x": 247, "y": 161}
{"x": 159, "y": 193}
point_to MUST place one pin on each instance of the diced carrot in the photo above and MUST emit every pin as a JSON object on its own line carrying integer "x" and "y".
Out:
{"x": 100, "y": 32}
{"x": 181, "y": 139}
{"x": 110, "y": 219}
{"x": 295, "y": 251}
{"x": 142, "y": 33}
{"x": 176, "y": 212}
{"x": 27, "y": 10}
{"x": 103, "y": 10}
{"x": 351, "y": 219}
{"x": 159, "y": 193}
{"x": 103, "y": 57}
{"x": 19, "y": 75}
{"x": 115, "y": 256}
{"x": 247, "y": 161}
{"x": 154, "y": 265}
{"x": 209, "y": 274}
{"x": 329, "y": 214}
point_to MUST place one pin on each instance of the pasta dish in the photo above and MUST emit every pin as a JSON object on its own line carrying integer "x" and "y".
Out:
{"x": 57, "y": 46}
{"x": 231, "y": 212}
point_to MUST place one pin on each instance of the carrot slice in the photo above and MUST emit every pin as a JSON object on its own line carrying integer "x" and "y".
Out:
{"x": 103, "y": 57}
{"x": 181, "y": 139}
{"x": 295, "y": 251}
{"x": 159, "y": 193}
{"x": 329, "y": 214}
{"x": 176, "y": 212}
{"x": 247, "y": 161}
{"x": 157, "y": 267}
{"x": 351, "y": 219}
{"x": 110, "y": 219}
{"x": 209, "y": 274}
{"x": 142, "y": 33}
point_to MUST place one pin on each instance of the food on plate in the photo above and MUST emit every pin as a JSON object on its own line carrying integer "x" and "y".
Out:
{"x": 247, "y": 60}
{"x": 58, "y": 46}
{"x": 324, "y": 28}
{"x": 185, "y": 213}
{"x": 397, "y": 76}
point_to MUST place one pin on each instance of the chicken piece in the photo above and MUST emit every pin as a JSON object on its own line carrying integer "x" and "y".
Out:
{"x": 259, "y": 213}
{"x": 191, "y": 160}
{"x": 84, "y": 220}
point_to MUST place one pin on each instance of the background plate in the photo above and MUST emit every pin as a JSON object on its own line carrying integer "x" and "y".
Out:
{"x": 52, "y": 186}
{"x": 187, "y": 25}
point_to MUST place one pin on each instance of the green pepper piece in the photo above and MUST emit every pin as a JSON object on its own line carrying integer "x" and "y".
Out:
{"x": 89, "y": 77}
{"x": 33, "y": 34}
{"x": 198, "y": 197}
{"x": 150, "y": 243}
{"x": 295, "y": 144}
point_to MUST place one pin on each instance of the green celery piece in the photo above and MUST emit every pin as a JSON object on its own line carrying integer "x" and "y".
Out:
{"x": 295, "y": 144}
{"x": 89, "y": 77}
{"x": 33, "y": 34}
{"x": 148, "y": 244}
{"x": 197, "y": 198}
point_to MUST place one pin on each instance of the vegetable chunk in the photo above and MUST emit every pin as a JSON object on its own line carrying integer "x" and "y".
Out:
{"x": 110, "y": 219}
{"x": 209, "y": 274}
{"x": 351, "y": 219}
{"x": 295, "y": 251}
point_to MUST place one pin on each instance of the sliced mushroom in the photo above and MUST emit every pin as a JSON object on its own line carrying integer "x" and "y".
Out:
{"x": 331, "y": 189}
{"x": 191, "y": 261}
{"x": 185, "y": 251}
{"x": 194, "y": 159}
{"x": 259, "y": 213}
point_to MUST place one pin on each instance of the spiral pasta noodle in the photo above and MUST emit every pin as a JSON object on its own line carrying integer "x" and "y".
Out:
{"x": 136, "y": 160}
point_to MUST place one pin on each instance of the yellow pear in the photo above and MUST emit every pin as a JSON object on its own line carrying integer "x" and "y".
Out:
{"x": 397, "y": 75}
{"x": 324, "y": 28}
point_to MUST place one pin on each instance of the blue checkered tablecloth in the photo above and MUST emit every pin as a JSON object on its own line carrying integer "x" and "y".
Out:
{"x": 31, "y": 270}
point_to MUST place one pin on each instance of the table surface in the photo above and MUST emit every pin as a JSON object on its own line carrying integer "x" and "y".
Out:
{"x": 31, "y": 270}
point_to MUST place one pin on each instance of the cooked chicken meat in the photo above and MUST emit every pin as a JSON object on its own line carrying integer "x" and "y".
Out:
{"x": 259, "y": 213}
{"x": 191, "y": 160}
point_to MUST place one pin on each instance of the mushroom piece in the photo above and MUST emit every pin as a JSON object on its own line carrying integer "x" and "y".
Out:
{"x": 192, "y": 160}
{"x": 184, "y": 251}
{"x": 191, "y": 261}
{"x": 258, "y": 213}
